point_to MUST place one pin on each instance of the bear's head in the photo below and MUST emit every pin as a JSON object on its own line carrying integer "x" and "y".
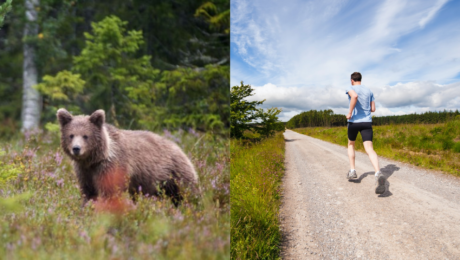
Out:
{"x": 84, "y": 138}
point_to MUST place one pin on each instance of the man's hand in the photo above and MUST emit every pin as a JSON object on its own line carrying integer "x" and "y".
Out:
{"x": 353, "y": 101}
{"x": 373, "y": 106}
{"x": 349, "y": 116}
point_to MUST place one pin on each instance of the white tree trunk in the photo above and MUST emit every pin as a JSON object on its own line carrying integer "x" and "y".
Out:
{"x": 31, "y": 99}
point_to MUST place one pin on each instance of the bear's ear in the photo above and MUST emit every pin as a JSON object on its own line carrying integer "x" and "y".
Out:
{"x": 98, "y": 118}
{"x": 63, "y": 116}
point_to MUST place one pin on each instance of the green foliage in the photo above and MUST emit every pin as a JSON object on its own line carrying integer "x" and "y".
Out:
{"x": 52, "y": 127}
{"x": 62, "y": 87}
{"x": 280, "y": 126}
{"x": 242, "y": 112}
{"x": 433, "y": 146}
{"x": 131, "y": 91}
{"x": 184, "y": 97}
{"x": 429, "y": 117}
{"x": 9, "y": 172}
{"x": 315, "y": 118}
{"x": 14, "y": 204}
{"x": 269, "y": 122}
{"x": 49, "y": 222}
{"x": 4, "y": 9}
{"x": 256, "y": 174}
{"x": 216, "y": 20}
{"x": 109, "y": 64}
{"x": 11, "y": 169}
{"x": 456, "y": 147}
{"x": 166, "y": 33}
{"x": 245, "y": 116}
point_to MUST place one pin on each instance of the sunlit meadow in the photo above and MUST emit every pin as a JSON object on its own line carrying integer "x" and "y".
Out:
{"x": 431, "y": 146}
{"x": 41, "y": 215}
{"x": 256, "y": 173}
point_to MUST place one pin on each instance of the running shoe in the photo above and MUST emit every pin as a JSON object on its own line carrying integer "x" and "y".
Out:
{"x": 352, "y": 174}
{"x": 380, "y": 183}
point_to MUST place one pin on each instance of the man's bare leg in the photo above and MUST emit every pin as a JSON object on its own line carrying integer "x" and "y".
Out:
{"x": 372, "y": 155}
{"x": 351, "y": 153}
{"x": 379, "y": 178}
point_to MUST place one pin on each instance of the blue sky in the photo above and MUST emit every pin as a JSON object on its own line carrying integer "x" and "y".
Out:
{"x": 299, "y": 55}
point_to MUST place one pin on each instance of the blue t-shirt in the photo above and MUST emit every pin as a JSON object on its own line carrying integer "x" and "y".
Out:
{"x": 362, "y": 111}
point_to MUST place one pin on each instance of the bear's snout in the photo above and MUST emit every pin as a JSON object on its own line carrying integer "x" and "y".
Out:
{"x": 76, "y": 150}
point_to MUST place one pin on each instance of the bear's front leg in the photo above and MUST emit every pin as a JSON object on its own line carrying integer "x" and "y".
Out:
{"x": 110, "y": 186}
{"x": 88, "y": 192}
{"x": 111, "y": 183}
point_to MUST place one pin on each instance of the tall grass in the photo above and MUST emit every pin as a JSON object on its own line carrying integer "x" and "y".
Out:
{"x": 41, "y": 217}
{"x": 256, "y": 172}
{"x": 435, "y": 146}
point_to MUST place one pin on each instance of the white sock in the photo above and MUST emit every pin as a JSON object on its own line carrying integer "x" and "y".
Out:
{"x": 377, "y": 173}
{"x": 353, "y": 170}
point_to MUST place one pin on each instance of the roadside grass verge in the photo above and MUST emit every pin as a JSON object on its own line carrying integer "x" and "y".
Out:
{"x": 41, "y": 215}
{"x": 431, "y": 146}
{"x": 255, "y": 176}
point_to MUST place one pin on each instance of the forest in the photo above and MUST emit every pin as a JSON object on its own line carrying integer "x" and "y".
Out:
{"x": 148, "y": 64}
{"x": 314, "y": 118}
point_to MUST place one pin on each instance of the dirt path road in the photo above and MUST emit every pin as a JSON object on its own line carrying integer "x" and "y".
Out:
{"x": 325, "y": 216}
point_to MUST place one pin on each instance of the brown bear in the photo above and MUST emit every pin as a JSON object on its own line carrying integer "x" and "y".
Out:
{"x": 109, "y": 161}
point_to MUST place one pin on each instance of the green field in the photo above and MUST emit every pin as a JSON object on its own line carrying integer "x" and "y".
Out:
{"x": 431, "y": 146}
{"x": 41, "y": 217}
{"x": 256, "y": 172}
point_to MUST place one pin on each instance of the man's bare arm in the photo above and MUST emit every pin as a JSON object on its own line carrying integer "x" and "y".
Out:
{"x": 353, "y": 101}
{"x": 372, "y": 106}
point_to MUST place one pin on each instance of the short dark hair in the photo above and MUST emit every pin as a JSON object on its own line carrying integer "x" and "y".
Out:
{"x": 356, "y": 76}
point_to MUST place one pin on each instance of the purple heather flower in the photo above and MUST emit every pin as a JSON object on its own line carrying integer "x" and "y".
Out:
{"x": 58, "y": 158}
{"x": 219, "y": 166}
{"x": 193, "y": 132}
{"x": 85, "y": 236}
{"x": 60, "y": 182}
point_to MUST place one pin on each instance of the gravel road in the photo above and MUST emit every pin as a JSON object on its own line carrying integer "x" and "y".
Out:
{"x": 326, "y": 216}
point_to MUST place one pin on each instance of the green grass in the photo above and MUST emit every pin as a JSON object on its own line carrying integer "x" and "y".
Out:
{"x": 41, "y": 217}
{"x": 256, "y": 173}
{"x": 435, "y": 146}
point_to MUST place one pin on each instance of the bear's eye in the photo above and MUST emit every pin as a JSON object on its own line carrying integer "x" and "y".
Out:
{"x": 85, "y": 137}
{"x": 71, "y": 136}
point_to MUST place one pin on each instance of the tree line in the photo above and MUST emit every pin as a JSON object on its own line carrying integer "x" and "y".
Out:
{"x": 314, "y": 118}
{"x": 148, "y": 64}
{"x": 430, "y": 117}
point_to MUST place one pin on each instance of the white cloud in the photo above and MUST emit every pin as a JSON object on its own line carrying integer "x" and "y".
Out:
{"x": 301, "y": 53}
{"x": 432, "y": 12}
{"x": 300, "y": 98}
{"x": 399, "y": 99}
{"x": 420, "y": 94}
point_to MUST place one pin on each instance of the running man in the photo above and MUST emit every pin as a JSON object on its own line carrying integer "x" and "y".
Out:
{"x": 362, "y": 103}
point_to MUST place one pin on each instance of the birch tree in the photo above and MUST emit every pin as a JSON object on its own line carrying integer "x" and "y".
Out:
{"x": 31, "y": 106}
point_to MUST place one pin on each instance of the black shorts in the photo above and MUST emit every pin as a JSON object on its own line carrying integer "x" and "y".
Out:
{"x": 364, "y": 128}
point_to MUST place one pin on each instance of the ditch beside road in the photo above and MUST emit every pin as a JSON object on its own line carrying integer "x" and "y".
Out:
{"x": 326, "y": 216}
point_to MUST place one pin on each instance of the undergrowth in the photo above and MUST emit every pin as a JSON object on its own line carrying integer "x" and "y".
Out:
{"x": 435, "y": 146}
{"x": 41, "y": 215}
{"x": 256, "y": 173}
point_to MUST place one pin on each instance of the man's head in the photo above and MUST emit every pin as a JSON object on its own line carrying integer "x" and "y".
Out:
{"x": 356, "y": 78}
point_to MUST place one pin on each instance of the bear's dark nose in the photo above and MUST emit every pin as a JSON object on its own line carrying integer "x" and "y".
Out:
{"x": 76, "y": 150}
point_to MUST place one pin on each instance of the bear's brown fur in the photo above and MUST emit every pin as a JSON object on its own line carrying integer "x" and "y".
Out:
{"x": 108, "y": 161}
